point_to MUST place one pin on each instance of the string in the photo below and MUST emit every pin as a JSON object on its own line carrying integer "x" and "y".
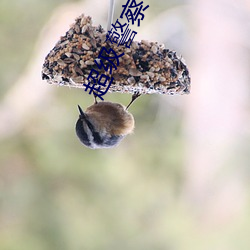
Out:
{"x": 110, "y": 14}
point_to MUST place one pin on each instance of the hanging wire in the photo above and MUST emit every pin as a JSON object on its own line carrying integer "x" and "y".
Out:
{"x": 110, "y": 13}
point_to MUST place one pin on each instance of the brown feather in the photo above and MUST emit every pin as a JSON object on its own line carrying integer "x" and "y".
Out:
{"x": 111, "y": 117}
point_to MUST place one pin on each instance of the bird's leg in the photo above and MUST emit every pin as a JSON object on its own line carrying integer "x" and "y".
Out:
{"x": 95, "y": 99}
{"x": 134, "y": 97}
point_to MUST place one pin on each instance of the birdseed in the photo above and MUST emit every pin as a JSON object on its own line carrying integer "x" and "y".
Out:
{"x": 146, "y": 67}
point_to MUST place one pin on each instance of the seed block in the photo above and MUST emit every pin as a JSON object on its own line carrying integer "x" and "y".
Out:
{"x": 146, "y": 67}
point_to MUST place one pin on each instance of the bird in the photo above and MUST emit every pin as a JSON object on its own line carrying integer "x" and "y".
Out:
{"x": 104, "y": 124}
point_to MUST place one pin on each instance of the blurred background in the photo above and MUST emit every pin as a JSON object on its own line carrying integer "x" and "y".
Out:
{"x": 180, "y": 182}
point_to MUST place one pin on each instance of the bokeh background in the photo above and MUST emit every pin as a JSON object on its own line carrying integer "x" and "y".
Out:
{"x": 180, "y": 182}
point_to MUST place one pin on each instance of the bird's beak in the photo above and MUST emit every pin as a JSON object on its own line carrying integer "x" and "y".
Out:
{"x": 82, "y": 115}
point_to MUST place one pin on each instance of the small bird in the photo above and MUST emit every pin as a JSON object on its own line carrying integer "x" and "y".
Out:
{"x": 104, "y": 124}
